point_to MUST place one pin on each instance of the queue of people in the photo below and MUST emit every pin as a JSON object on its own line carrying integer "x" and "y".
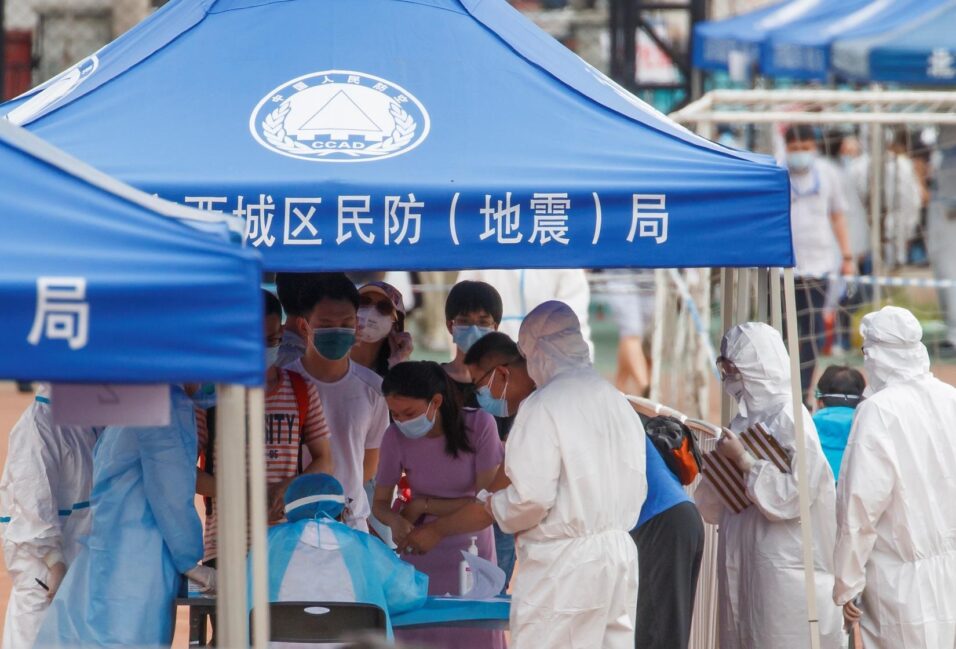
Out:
{"x": 382, "y": 470}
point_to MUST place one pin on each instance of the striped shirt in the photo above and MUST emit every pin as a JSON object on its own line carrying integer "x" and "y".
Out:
{"x": 284, "y": 434}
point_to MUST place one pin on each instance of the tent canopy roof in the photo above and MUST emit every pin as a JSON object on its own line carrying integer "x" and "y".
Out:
{"x": 103, "y": 283}
{"x": 415, "y": 134}
{"x": 919, "y": 49}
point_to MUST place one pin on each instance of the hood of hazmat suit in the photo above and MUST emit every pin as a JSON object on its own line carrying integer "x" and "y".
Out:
{"x": 576, "y": 459}
{"x": 323, "y": 560}
{"x": 762, "y": 592}
{"x": 146, "y": 532}
{"x": 44, "y": 510}
{"x": 896, "y": 501}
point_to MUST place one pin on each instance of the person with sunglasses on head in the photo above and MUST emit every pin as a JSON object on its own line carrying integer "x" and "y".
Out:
{"x": 839, "y": 392}
{"x": 449, "y": 454}
{"x": 351, "y": 394}
{"x": 382, "y": 342}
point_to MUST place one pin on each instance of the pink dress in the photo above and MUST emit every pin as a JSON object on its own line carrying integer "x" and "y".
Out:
{"x": 433, "y": 472}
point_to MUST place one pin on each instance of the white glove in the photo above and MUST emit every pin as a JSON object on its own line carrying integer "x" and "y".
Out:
{"x": 54, "y": 578}
{"x": 204, "y": 577}
{"x": 734, "y": 450}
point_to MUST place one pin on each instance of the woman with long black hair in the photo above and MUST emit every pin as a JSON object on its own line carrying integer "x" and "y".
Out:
{"x": 449, "y": 454}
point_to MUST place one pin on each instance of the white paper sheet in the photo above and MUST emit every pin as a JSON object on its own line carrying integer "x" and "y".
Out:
{"x": 489, "y": 579}
{"x": 110, "y": 405}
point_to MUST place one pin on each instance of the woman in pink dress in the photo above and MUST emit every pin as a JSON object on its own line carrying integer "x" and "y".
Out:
{"x": 448, "y": 454}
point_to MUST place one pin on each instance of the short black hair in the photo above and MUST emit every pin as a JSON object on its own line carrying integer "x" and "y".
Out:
{"x": 271, "y": 303}
{"x": 326, "y": 286}
{"x": 288, "y": 287}
{"x": 470, "y": 296}
{"x": 493, "y": 344}
{"x": 841, "y": 385}
{"x": 800, "y": 133}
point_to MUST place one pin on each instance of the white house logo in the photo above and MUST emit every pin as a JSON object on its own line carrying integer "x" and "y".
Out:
{"x": 339, "y": 116}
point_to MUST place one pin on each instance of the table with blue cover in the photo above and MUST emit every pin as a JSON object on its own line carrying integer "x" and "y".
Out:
{"x": 437, "y": 611}
{"x": 455, "y": 611}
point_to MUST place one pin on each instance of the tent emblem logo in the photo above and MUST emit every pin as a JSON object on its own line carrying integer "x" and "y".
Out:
{"x": 339, "y": 116}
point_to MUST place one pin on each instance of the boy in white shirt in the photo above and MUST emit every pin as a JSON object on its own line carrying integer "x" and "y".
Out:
{"x": 820, "y": 239}
{"x": 351, "y": 394}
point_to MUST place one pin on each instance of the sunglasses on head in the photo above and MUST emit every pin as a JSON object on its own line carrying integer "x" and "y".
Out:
{"x": 382, "y": 305}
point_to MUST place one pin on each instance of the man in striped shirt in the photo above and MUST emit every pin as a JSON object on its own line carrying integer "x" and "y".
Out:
{"x": 294, "y": 419}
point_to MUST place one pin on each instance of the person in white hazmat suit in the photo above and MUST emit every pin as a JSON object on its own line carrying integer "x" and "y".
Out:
{"x": 576, "y": 464}
{"x": 44, "y": 510}
{"x": 896, "y": 502}
{"x": 760, "y": 579}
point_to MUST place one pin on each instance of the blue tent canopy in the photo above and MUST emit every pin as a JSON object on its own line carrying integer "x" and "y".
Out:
{"x": 716, "y": 41}
{"x": 407, "y": 134}
{"x": 802, "y": 51}
{"x": 919, "y": 49}
{"x": 102, "y": 283}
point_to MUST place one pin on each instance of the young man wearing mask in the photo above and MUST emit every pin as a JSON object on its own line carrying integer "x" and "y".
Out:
{"x": 351, "y": 394}
{"x": 820, "y": 239}
{"x": 501, "y": 382}
{"x": 295, "y": 418}
{"x": 472, "y": 311}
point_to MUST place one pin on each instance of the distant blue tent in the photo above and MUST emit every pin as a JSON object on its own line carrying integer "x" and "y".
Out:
{"x": 407, "y": 134}
{"x": 919, "y": 50}
{"x": 802, "y": 51}
{"x": 715, "y": 42}
{"x": 101, "y": 283}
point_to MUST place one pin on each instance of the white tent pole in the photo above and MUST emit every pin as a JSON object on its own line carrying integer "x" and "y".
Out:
{"x": 258, "y": 511}
{"x": 806, "y": 524}
{"x": 232, "y": 626}
{"x": 876, "y": 205}
{"x": 661, "y": 288}
{"x": 726, "y": 322}
{"x": 763, "y": 295}
{"x": 743, "y": 294}
{"x": 776, "y": 318}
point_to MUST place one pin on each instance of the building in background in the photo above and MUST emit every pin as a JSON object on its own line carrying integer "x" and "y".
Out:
{"x": 44, "y": 37}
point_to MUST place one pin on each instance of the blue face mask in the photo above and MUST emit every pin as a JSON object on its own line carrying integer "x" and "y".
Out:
{"x": 494, "y": 406}
{"x": 417, "y": 427}
{"x": 800, "y": 161}
{"x": 467, "y": 335}
{"x": 333, "y": 343}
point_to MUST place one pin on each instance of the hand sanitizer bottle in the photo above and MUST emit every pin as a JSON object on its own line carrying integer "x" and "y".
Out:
{"x": 466, "y": 580}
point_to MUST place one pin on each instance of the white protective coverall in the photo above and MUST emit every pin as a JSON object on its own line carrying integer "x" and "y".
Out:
{"x": 896, "y": 503}
{"x": 523, "y": 290}
{"x": 575, "y": 458}
{"x": 760, "y": 577}
{"x": 45, "y": 509}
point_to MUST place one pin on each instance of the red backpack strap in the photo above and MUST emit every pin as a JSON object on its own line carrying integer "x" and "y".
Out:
{"x": 301, "y": 391}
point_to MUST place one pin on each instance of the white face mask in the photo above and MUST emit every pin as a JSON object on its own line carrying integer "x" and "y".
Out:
{"x": 734, "y": 386}
{"x": 372, "y": 325}
{"x": 417, "y": 427}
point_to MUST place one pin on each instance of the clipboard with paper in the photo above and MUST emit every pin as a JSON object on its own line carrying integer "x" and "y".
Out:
{"x": 726, "y": 478}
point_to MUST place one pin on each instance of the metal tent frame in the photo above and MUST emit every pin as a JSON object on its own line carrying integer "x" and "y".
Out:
{"x": 876, "y": 108}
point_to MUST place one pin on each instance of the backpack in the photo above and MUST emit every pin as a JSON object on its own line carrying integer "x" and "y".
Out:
{"x": 301, "y": 390}
{"x": 677, "y": 445}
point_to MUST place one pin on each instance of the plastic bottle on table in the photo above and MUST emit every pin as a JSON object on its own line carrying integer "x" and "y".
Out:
{"x": 466, "y": 580}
